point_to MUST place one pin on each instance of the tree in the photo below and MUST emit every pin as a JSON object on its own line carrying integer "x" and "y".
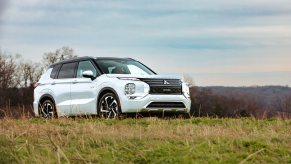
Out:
{"x": 29, "y": 73}
{"x": 8, "y": 68}
{"x": 58, "y": 55}
{"x": 283, "y": 103}
{"x": 188, "y": 79}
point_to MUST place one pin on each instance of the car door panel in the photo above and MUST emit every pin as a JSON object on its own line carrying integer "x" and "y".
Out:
{"x": 83, "y": 96}
{"x": 62, "y": 92}
{"x": 61, "y": 87}
{"x": 83, "y": 91}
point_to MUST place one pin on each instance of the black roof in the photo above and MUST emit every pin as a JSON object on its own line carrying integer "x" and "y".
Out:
{"x": 86, "y": 58}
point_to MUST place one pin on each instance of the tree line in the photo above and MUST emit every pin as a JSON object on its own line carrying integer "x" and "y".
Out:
{"x": 207, "y": 103}
{"x": 18, "y": 77}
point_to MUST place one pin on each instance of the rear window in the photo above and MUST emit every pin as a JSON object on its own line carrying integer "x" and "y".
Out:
{"x": 67, "y": 71}
{"x": 55, "y": 71}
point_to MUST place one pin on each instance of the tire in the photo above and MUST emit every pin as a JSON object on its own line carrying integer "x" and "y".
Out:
{"x": 109, "y": 106}
{"x": 47, "y": 109}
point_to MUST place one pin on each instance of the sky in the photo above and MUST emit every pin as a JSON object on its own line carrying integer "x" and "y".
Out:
{"x": 216, "y": 42}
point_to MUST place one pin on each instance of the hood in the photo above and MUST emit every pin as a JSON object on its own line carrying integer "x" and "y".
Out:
{"x": 146, "y": 76}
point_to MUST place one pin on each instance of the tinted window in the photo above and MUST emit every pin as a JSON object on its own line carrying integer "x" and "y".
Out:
{"x": 55, "y": 70}
{"x": 85, "y": 66}
{"x": 67, "y": 71}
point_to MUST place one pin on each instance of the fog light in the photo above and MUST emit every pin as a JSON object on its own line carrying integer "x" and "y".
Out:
{"x": 129, "y": 89}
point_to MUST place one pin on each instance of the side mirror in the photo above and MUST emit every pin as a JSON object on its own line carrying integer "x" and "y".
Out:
{"x": 88, "y": 74}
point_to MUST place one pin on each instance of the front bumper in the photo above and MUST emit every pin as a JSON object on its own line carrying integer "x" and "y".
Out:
{"x": 141, "y": 105}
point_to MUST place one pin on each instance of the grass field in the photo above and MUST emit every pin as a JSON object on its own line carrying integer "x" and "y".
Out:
{"x": 146, "y": 140}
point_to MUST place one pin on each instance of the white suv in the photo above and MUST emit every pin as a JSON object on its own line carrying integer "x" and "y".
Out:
{"x": 107, "y": 87}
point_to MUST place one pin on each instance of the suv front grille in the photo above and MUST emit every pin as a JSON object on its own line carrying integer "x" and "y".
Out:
{"x": 166, "y": 105}
{"x": 165, "y": 90}
{"x": 164, "y": 86}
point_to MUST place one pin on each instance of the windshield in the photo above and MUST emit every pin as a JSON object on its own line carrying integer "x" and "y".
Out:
{"x": 123, "y": 66}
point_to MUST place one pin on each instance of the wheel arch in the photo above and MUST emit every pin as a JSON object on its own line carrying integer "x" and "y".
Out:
{"x": 46, "y": 97}
{"x": 104, "y": 91}
{"x": 107, "y": 90}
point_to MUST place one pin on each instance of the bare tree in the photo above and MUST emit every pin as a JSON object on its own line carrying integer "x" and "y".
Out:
{"x": 283, "y": 103}
{"x": 58, "y": 55}
{"x": 188, "y": 79}
{"x": 29, "y": 73}
{"x": 7, "y": 70}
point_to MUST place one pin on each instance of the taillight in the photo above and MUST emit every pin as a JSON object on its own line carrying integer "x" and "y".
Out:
{"x": 36, "y": 84}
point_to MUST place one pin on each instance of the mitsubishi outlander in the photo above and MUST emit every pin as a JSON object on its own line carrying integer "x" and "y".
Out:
{"x": 107, "y": 87}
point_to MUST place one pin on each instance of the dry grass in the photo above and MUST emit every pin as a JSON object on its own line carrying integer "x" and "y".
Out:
{"x": 147, "y": 140}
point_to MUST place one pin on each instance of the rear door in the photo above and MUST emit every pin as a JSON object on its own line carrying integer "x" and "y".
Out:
{"x": 61, "y": 87}
{"x": 83, "y": 90}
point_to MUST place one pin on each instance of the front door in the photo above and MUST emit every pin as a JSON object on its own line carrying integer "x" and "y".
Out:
{"x": 83, "y": 90}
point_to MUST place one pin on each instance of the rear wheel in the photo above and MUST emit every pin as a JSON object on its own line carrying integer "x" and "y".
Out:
{"x": 47, "y": 109}
{"x": 109, "y": 106}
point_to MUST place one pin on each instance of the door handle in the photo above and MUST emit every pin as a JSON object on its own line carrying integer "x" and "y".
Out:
{"x": 53, "y": 83}
{"x": 75, "y": 81}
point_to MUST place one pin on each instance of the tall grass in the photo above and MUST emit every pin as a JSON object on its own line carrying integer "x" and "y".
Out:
{"x": 146, "y": 140}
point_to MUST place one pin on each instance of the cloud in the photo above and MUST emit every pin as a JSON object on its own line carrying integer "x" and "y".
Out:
{"x": 3, "y": 6}
{"x": 206, "y": 36}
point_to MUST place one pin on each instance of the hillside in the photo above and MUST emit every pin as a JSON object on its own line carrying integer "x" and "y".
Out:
{"x": 147, "y": 140}
{"x": 265, "y": 93}
{"x": 258, "y": 101}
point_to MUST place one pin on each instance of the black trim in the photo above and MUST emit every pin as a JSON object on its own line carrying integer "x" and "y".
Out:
{"x": 108, "y": 88}
{"x": 47, "y": 95}
{"x": 72, "y": 60}
{"x": 157, "y": 86}
{"x": 166, "y": 105}
{"x": 75, "y": 74}
{"x": 92, "y": 59}
{"x": 57, "y": 71}
{"x": 112, "y": 90}
{"x": 94, "y": 65}
{"x": 76, "y": 69}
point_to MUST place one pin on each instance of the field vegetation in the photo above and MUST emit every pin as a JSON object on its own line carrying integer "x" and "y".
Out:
{"x": 145, "y": 140}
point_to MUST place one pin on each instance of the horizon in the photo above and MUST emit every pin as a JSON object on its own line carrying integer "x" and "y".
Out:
{"x": 220, "y": 43}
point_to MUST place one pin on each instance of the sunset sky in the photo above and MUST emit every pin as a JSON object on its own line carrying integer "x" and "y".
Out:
{"x": 216, "y": 42}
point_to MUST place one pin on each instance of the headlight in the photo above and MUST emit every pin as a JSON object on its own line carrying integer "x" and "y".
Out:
{"x": 146, "y": 89}
{"x": 129, "y": 89}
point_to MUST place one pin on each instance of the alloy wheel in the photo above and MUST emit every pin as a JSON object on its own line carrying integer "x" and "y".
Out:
{"x": 109, "y": 106}
{"x": 47, "y": 109}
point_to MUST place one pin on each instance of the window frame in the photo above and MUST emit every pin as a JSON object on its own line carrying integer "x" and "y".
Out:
{"x": 75, "y": 71}
{"x": 102, "y": 72}
{"x": 78, "y": 62}
{"x": 57, "y": 71}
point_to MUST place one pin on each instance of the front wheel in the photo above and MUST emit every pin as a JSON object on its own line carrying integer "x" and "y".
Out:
{"x": 109, "y": 106}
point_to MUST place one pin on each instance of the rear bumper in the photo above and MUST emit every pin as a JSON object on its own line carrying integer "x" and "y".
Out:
{"x": 35, "y": 108}
{"x": 142, "y": 105}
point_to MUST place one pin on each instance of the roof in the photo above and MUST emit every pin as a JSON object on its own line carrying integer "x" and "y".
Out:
{"x": 86, "y": 58}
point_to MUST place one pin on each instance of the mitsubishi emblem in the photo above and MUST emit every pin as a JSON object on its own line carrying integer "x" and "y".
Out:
{"x": 166, "y": 83}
